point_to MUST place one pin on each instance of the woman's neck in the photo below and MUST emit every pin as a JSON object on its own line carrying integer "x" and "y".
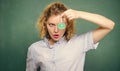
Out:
{"x": 51, "y": 42}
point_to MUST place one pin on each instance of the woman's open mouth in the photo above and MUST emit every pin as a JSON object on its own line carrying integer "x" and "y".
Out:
{"x": 56, "y": 36}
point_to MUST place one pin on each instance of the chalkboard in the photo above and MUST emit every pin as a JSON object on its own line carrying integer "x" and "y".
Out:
{"x": 18, "y": 31}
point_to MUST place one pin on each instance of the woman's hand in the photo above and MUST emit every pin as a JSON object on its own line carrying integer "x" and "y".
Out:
{"x": 71, "y": 14}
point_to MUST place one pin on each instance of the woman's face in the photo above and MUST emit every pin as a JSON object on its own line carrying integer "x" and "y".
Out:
{"x": 52, "y": 28}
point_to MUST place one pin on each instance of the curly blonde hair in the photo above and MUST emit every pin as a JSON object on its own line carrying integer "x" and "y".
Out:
{"x": 54, "y": 9}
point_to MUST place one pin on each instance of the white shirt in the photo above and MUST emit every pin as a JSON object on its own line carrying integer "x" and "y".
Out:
{"x": 62, "y": 56}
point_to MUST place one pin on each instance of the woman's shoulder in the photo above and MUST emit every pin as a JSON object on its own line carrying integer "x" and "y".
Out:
{"x": 36, "y": 44}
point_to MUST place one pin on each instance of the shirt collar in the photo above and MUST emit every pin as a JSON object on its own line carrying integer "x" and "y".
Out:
{"x": 58, "y": 42}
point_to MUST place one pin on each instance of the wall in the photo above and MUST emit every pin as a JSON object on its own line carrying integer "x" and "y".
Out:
{"x": 18, "y": 31}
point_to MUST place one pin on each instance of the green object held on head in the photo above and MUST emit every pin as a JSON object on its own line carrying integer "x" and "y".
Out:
{"x": 61, "y": 25}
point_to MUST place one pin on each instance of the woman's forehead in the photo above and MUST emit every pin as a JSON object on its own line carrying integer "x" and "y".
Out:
{"x": 56, "y": 19}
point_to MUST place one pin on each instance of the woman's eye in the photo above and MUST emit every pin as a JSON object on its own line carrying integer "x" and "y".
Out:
{"x": 51, "y": 25}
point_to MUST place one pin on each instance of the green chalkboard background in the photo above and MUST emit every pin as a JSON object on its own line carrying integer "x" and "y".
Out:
{"x": 18, "y": 31}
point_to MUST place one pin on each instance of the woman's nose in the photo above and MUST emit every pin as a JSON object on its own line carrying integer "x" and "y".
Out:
{"x": 56, "y": 29}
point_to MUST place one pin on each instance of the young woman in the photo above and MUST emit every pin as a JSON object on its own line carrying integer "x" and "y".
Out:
{"x": 61, "y": 49}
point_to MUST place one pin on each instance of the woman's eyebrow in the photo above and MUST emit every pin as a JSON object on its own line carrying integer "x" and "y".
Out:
{"x": 50, "y": 23}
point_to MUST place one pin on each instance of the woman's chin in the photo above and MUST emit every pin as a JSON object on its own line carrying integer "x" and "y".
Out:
{"x": 56, "y": 39}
